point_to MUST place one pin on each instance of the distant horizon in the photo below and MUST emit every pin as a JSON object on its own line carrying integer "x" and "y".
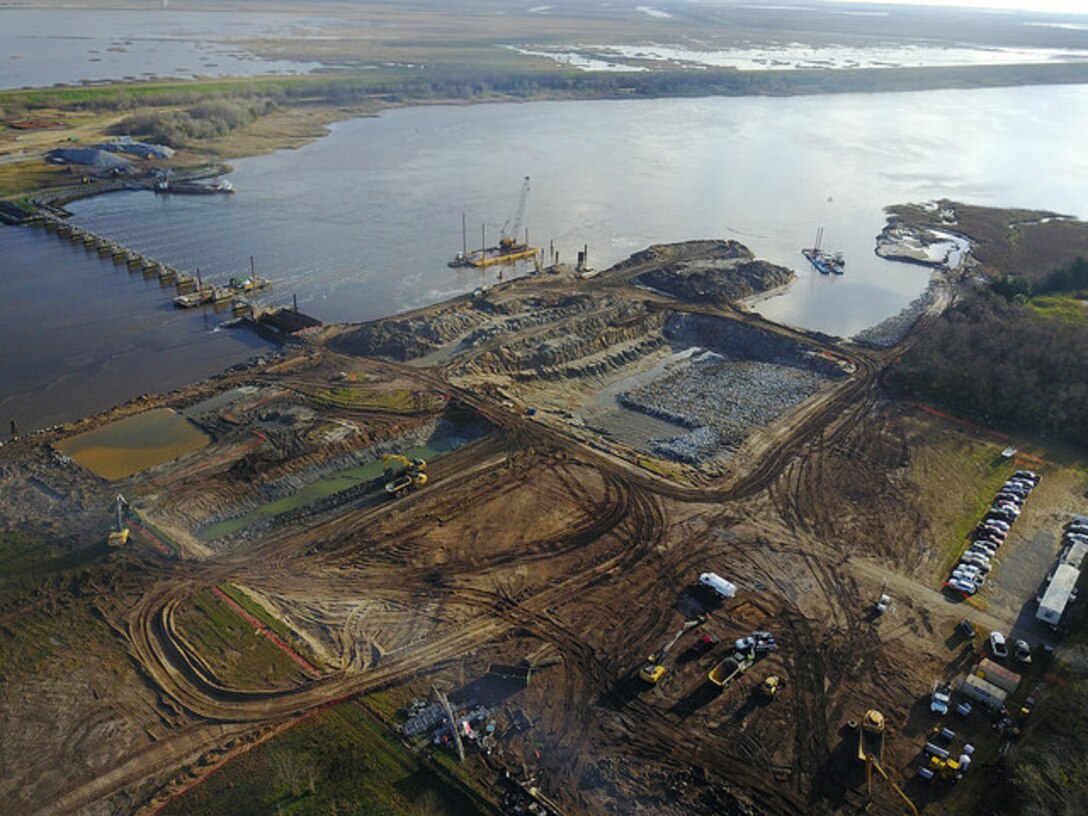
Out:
{"x": 1073, "y": 7}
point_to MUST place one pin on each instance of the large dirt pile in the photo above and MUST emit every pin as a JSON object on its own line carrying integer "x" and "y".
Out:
{"x": 723, "y": 272}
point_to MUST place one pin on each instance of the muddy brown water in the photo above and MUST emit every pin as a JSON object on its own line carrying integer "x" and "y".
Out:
{"x": 135, "y": 443}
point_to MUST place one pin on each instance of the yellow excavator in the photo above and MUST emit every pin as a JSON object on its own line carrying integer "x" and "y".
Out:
{"x": 119, "y": 537}
{"x": 404, "y": 474}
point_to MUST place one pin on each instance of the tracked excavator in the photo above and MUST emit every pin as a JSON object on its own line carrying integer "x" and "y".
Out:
{"x": 403, "y": 474}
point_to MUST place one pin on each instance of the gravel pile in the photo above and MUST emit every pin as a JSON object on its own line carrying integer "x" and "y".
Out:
{"x": 721, "y": 401}
{"x": 890, "y": 331}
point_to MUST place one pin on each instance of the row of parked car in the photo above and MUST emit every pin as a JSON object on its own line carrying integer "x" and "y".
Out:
{"x": 975, "y": 564}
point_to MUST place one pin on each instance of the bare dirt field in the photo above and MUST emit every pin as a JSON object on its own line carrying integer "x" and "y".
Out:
{"x": 271, "y": 589}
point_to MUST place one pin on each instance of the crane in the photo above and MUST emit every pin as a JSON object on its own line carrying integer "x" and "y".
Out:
{"x": 509, "y": 237}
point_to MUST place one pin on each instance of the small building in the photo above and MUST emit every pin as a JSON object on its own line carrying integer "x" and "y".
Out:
{"x": 1058, "y": 594}
{"x": 986, "y": 693}
{"x": 719, "y": 585}
{"x": 997, "y": 675}
{"x": 98, "y": 160}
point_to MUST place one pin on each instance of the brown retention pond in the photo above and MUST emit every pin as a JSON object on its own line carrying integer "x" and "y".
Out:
{"x": 135, "y": 443}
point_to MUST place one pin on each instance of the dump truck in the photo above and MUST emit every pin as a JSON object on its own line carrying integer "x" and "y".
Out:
{"x": 729, "y": 670}
{"x": 409, "y": 474}
{"x": 871, "y": 736}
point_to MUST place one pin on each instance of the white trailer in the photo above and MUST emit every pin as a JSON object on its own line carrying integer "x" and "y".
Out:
{"x": 720, "y": 586}
{"x": 1058, "y": 594}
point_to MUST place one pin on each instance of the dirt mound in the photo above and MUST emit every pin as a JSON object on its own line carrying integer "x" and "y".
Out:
{"x": 720, "y": 272}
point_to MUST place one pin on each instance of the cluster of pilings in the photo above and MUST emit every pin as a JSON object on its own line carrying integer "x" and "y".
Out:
{"x": 119, "y": 253}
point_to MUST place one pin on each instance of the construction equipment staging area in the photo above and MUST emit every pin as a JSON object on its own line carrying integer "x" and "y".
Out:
{"x": 592, "y": 622}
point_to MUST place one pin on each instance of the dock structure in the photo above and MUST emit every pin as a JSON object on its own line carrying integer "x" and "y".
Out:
{"x": 190, "y": 291}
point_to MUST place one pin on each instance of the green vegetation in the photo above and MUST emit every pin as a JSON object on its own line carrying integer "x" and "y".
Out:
{"x": 1001, "y": 363}
{"x": 1069, "y": 278}
{"x": 396, "y": 400}
{"x": 209, "y": 119}
{"x": 1070, "y": 308}
{"x": 233, "y": 651}
{"x": 1050, "y": 775}
{"x": 337, "y": 762}
{"x": 274, "y": 624}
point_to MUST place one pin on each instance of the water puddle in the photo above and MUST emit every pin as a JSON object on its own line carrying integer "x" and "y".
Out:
{"x": 136, "y": 443}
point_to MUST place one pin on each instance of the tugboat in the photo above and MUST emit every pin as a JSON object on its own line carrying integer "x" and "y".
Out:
{"x": 826, "y": 263}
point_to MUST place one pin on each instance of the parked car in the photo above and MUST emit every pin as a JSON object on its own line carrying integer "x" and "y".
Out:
{"x": 992, "y": 533}
{"x": 998, "y": 521}
{"x": 997, "y": 645}
{"x": 963, "y": 586}
{"x": 1030, "y": 475}
{"x": 978, "y": 559}
{"x": 1007, "y": 507}
{"x": 1021, "y": 651}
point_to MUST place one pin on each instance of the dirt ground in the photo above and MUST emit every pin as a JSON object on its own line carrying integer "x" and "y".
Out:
{"x": 536, "y": 542}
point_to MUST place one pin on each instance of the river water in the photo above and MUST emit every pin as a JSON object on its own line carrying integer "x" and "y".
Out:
{"x": 43, "y": 46}
{"x": 360, "y": 224}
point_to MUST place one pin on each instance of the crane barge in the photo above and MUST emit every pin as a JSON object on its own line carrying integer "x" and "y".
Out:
{"x": 508, "y": 250}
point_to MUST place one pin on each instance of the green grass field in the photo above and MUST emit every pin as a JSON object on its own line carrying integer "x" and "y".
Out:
{"x": 237, "y": 654}
{"x": 1070, "y": 308}
{"x": 337, "y": 762}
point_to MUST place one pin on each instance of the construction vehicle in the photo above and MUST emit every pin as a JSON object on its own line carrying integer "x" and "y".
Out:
{"x": 873, "y": 764}
{"x": 408, "y": 475}
{"x": 945, "y": 769}
{"x": 871, "y": 736}
{"x": 730, "y": 669}
{"x": 757, "y": 643}
{"x": 119, "y": 537}
{"x": 653, "y": 670}
{"x": 770, "y": 686}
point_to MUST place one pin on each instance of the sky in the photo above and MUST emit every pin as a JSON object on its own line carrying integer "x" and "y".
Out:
{"x": 1058, "y": 6}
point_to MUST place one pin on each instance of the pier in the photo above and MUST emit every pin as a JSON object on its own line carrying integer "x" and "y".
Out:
{"x": 190, "y": 291}
{"x": 120, "y": 254}
{"x": 278, "y": 323}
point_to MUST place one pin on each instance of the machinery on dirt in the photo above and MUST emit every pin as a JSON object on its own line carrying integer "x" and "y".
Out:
{"x": 940, "y": 698}
{"x": 653, "y": 669}
{"x": 871, "y": 736}
{"x": 869, "y": 767}
{"x": 407, "y": 474}
{"x": 119, "y": 537}
{"x": 757, "y": 643}
{"x": 730, "y": 670}
{"x": 771, "y": 685}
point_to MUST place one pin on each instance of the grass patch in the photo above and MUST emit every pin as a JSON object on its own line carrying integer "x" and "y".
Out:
{"x": 397, "y": 400}
{"x": 236, "y": 654}
{"x": 339, "y": 761}
{"x": 1070, "y": 308}
{"x": 958, "y": 476}
{"x": 661, "y": 468}
{"x": 274, "y": 624}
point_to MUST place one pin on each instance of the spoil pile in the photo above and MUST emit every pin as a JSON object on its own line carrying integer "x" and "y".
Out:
{"x": 725, "y": 273}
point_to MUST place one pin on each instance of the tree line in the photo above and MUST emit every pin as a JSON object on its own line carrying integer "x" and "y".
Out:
{"x": 997, "y": 361}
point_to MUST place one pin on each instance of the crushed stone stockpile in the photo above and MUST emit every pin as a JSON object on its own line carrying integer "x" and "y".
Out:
{"x": 721, "y": 401}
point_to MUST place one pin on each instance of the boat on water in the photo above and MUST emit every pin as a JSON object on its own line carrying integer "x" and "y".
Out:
{"x": 826, "y": 263}
{"x": 168, "y": 185}
{"x": 508, "y": 250}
